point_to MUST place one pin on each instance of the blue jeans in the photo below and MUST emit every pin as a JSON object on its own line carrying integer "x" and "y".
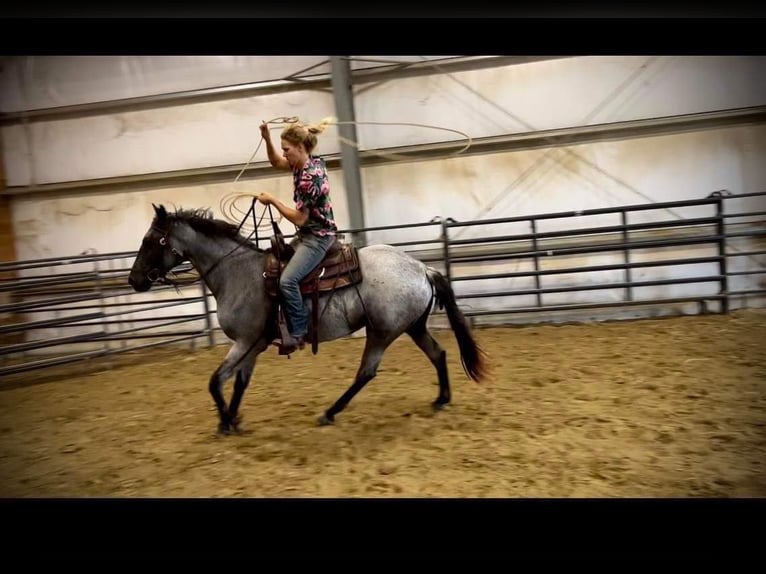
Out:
{"x": 309, "y": 252}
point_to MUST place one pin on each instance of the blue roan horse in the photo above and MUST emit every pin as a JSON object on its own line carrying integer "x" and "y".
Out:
{"x": 395, "y": 296}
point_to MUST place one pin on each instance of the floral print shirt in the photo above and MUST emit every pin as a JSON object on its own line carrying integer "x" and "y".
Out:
{"x": 312, "y": 192}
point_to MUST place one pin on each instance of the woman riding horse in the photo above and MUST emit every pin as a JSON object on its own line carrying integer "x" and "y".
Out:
{"x": 312, "y": 216}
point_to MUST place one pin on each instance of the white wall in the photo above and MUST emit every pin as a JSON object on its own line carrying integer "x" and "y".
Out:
{"x": 567, "y": 92}
{"x": 511, "y": 99}
{"x": 586, "y": 176}
{"x": 683, "y": 166}
{"x": 36, "y": 82}
{"x": 110, "y": 223}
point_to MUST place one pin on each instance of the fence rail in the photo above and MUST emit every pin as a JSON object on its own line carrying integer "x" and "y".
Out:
{"x": 60, "y": 310}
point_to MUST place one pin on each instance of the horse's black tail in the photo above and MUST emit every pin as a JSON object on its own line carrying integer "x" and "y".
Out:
{"x": 472, "y": 357}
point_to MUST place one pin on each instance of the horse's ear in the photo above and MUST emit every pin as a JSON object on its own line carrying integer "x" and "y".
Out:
{"x": 160, "y": 212}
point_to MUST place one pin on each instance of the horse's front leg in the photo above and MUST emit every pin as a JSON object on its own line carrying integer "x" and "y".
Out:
{"x": 216, "y": 382}
{"x": 244, "y": 372}
{"x": 232, "y": 362}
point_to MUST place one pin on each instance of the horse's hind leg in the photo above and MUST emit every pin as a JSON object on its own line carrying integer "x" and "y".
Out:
{"x": 368, "y": 368}
{"x": 438, "y": 356}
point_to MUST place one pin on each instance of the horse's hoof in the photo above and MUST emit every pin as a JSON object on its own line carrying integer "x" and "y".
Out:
{"x": 236, "y": 426}
{"x": 325, "y": 420}
{"x": 437, "y": 406}
{"x": 223, "y": 430}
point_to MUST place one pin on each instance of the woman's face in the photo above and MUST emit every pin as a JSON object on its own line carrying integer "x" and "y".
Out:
{"x": 295, "y": 154}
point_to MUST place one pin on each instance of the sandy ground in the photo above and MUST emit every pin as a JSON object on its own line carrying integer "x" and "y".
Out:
{"x": 650, "y": 408}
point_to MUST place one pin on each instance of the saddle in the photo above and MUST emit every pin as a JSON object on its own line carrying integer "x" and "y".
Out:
{"x": 339, "y": 269}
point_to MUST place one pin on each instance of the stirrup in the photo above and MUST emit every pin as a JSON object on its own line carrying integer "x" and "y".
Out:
{"x": 292, "y": 345}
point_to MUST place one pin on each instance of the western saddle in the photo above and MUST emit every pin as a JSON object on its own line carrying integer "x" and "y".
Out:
{"x": 339, "y": 269}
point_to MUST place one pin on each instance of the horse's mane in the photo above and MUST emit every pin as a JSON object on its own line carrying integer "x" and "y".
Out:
{"x": 201, "y": 219}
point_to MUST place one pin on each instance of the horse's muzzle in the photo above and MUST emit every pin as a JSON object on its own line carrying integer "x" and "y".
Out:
{"x": 140, "y": 285}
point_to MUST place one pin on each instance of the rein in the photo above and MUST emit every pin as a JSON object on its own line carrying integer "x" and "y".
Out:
{"x": 204, "y": 274}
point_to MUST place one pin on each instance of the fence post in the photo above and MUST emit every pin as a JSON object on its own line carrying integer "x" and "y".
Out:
{"x": 721, "y": 232}
{"x": 626, "y": 253}
{"x": 445, "y": 241}
{"x": 536, "y": 259}
{"x": 100, "y": 290}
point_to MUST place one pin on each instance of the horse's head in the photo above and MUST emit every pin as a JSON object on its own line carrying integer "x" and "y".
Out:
{"x": 156, "y": 256}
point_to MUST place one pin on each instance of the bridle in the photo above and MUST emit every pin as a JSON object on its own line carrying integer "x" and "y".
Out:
{"x": 164, "y": 241}
{"x": 154, "y": 275}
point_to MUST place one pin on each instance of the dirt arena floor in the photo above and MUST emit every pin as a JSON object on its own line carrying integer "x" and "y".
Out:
{"x": 650, "y": 408}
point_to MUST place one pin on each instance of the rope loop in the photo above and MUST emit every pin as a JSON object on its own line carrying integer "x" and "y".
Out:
{"x": 236, "y": 214}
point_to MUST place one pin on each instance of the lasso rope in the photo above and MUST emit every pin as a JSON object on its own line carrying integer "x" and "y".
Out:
{"x": 236, "y": 214}
{"x": 399, "y": 157}
{"x": 228, "y": 204}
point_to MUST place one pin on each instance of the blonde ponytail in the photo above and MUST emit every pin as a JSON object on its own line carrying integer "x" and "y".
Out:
{"x": 302, "y": 133}
{"x": 323, "y": 123}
